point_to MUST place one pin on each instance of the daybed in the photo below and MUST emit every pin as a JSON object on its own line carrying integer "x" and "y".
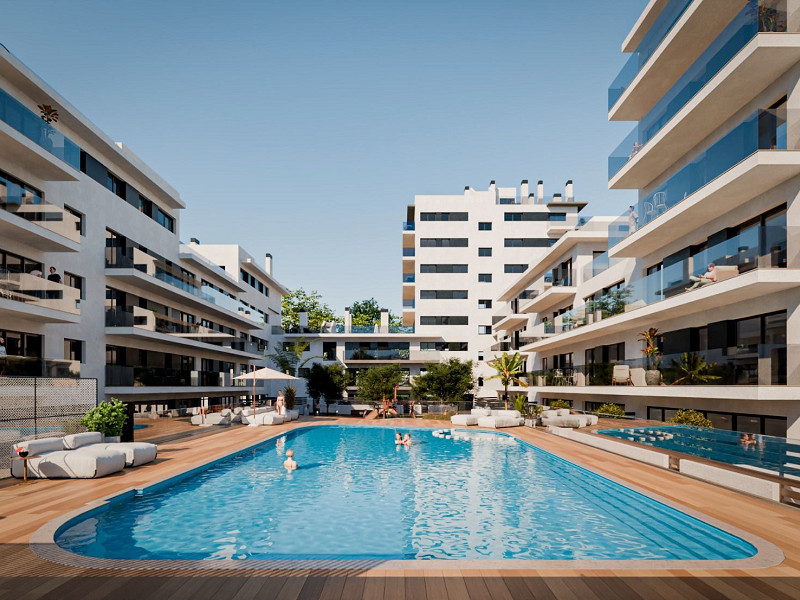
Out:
{"x": 221, "y": 418}
{"x": 79, "y": 456}
{"x": 562, "y": 418}
{"x": 501, "y": 418}
{"x": 472, "y": 418}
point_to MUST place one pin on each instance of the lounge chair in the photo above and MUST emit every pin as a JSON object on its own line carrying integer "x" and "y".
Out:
{"x": 86, "y": 460}
{"x": 562, "y": 417}
{"x": 621, "y": 375}
{"x": 136, "y": 453}
{"x": 464, "y": 420}
{"x": 220, "y": 418}
{"x": 501, "y": 418}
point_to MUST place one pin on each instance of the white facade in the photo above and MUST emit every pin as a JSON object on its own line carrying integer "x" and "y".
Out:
{"x": 461, "y": 251}
{"x": 152, "y": 321}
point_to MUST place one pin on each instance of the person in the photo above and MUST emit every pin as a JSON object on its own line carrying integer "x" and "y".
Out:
{"x": 709, "y": 276}
{"x": 407, "y": 440}
{"x": 747, "y": 439}
{"x": 2, "y": 347}
{"x": 55, "y": 277}
{"x": 290, "y": 464}
{"x": 411, "y": 410}
{"x": 633, "y": 219}
{"x": 37, "y": 273}
{"x": 280, "y": 404}
{"x": 398, "y": 439}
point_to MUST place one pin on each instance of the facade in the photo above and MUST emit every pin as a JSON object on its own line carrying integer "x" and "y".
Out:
{"x": 714, "y": 156}
{"x": 153, "y": 321}
{"x": 461, "y": 251}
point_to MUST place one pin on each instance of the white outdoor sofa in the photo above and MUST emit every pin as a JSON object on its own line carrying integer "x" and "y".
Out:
{"x": 501, "y": 418}
{"x": 472, "y": 418}
{"x": 562, "y": 417}
{"x": 80, "y": 456}
{"x": 221, "y": 418}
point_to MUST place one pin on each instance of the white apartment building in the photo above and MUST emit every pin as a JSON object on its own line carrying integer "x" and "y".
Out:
{"x": 152, "y": 321}
{"x": 715, "y": 156}
{"x": 461, "y": 251}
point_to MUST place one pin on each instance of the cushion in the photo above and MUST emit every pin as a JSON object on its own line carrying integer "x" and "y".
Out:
{"x": 506, "y": 413}
{"x": 40, "y": 446}
{"x": 563, "y": 412}
{"x": 481, "y": 412}
{"x": 549, "y": 413}
{"x": 497, "y": 422}
{"x": 464, "y": 420}
{"x": 77, "y": 440}
{"x": 136, "y": 453}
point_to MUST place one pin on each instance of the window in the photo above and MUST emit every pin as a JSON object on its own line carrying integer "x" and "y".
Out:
{"x": 116, "y": 185}
{"x": 480, "y": 355}
{"x": 73, "y": 350}
{"x": 558, "y": 217}
{"x": 484, "y": 303}
{"x": 443, "y": 216}
{"x": 484, "y": 329}
{"x": 163, "y": 219}
{"x": 443, "y": 295}
{"x": 484, "y": 278}
{"x": 444, "y": 268}
{"x": 444, "y": 320}
{"x": 329, "y": 350}
{"x": 444, "y": 346}
{"x": 480, "y": 381}
{"x": 529, "y": 216}
{"x": 529, "y": 242}
{"x": 484, "y": 226}
{"x": 79, "y": 227}
{"x": 75, "y": 281}
{"x": 443, "y": 243}
{"x": 515, "y": 268}
{"x": 484, "y": 251}
{"x": 507, "y": 201}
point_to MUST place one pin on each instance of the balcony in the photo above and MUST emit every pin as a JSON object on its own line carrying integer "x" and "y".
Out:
{"x": 551, "y": 297}
{"x": 27, "y": 296}
{"x": 25, "y": 215}
{"x": 27, "y": 139}
{"x": 749, "y": 55}
{"x": 155, "y": 275}
{"x": 510, "y": 322}
{"x": 600, "y": 264}
{"x": 138, "y": 322}
{"x": 340, "y": 329}
{"x": 150, "y": 377}
{"x": 31, "y": 366}
{"x": 679, "y": 35}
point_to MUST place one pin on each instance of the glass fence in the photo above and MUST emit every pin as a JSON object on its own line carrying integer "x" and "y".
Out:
{"x": 31, "y": 125}
{"x": 33, "y": 290}
{"x": 598, "y": 265}
{"x": 638, "y": 59}
{"x": 32, "y": 366}
{"x": 143, "y": 376}
{"x": 762, "y": 130}
{"x": 373, "y": 354}
{"x": 29, "y": 205}
{"x": 767, "y": 16}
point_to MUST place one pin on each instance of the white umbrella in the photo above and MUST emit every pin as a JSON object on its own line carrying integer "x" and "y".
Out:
{"x": 263, "y": 374}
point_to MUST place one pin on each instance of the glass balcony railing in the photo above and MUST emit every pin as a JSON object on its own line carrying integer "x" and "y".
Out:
{"x": 408, "y": 278}
{"x": 757, "y": 16}
{"x": 762, "y": 130}
{"x": 29, "y": 205}
{"x": 598, "y": 265}
{"x": 756, "y": 247}
{"x": 340, "y": 328}
{"x": 29, "y": 124}
{"x": 234, "y": 305}
{"x": 409, "y": 251}
{"x": 143, "y": 376}
{"x": 655, "y": 35}
{"x": 32, "y": 366}
{"x": 37, "y": 291}
{"x": 408, "y": 303}
{"x": 409, "y": 225}
{"x": 372, "y": 354}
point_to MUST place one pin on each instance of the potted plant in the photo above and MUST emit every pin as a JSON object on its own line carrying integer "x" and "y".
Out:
{"x": 535, "y": 411}
{"x": 289, "y": 396}
{"x": 652, "y": 375}
{"x": 108, "y": 418}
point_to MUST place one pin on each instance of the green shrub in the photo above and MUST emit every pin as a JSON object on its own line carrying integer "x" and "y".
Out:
{"x": 521, "y": 404}
{"x": 610, "y": 410}
{"x": 289, "y": 397}
{"x": 559, "y": 404}
{"x": 107, "y": 417}
{"x": 687, "y": 416}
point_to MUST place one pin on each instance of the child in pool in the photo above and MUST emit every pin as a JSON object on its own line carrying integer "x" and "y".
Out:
{"x": 290, "y": 464}
{"x": 398, "y": 439}
{"x": 407, "y": 439}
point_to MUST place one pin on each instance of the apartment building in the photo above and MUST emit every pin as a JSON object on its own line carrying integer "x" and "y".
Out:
{"x": 153, "y": 321}
{"x": 461, "y": 251}
{"x": 712, "y": 87}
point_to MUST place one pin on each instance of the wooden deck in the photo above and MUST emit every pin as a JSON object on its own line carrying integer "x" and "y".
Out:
{"x": 24, "y": 508}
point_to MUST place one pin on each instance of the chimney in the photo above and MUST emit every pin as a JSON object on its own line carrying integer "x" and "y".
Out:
{"x": 492, "y": 186}
{"x": 540, "y": 192}
{"x": 268, "y": 264}
{"x": 557, "y": 198}
{"x": 568, "y": 191}
{"x": 384, "y": 320}
{"x": 348, "y": 320}
{"x": 523, "y": 190}
{"x": 194, "y": 241}
{"x": 302, "y": 318}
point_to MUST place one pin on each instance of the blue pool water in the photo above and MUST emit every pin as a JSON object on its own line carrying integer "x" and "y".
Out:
{"x": 769, "y": 452}
{"x": 137, "y": 427}
{"x": 357, "y": 496}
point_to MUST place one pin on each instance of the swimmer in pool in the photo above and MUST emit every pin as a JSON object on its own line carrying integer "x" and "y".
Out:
{"x": 407, "y": 440}
{"x": 398, "y": 439}
{"x": 290, "y": 464}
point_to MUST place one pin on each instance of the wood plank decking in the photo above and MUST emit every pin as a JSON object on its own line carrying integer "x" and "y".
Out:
{"x": 24, "y": 508}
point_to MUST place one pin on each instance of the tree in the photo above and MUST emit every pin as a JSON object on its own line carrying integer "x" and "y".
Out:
{"x": 693, "y": 370}
{"x": 377, "y": 383}
{"x": 367, "y": 313}
{"x": 325, "y": 381}
{"x": 509, "y": 369}
{"x": 298, "y": 300}
{"x": 289, "y": 356}
{"x": 447, "y": 382}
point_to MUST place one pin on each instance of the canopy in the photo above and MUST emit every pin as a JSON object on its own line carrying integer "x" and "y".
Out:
{"x": 265, "y": 373}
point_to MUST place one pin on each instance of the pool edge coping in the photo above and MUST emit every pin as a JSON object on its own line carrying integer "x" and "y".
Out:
{"x": 42, "y": 541}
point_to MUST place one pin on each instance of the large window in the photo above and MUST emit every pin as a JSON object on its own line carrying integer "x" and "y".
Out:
{"x": 515, "y": 268}
{"x": 443, "y": 268}
{"x": 535, "y": 216}
{"x": 443, "y": 216}
{"x": 376, "y": 350}
{"x": 484, "y": 278}
{"x": 529, "y": 242}
{"x": 484, "y": 226}
{"x": 444, "y": 346}
{"x": 443, "y": 242}
{"x": 444, "y": 320}
{"x": 443, "y": 295}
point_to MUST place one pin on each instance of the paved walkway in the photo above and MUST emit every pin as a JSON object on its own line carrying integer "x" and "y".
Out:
{"x": 24, "y": 508}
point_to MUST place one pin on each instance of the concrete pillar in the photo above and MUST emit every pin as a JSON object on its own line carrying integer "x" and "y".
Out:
{"x": 568, "y": 195}
{"x": 540, "y": 192}
{"x": 348, "y": 320}
{"x": 523, "y": 191}
{"x": 268, "y": 264}
{"x": 303, "y": 318}
{"x": 384, "y": 320}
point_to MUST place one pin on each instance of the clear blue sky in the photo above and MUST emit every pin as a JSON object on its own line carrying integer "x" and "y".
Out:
{"x": 305, "y": 128}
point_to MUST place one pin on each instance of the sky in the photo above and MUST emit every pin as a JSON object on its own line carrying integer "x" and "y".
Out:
{"x": 305, "y": 128}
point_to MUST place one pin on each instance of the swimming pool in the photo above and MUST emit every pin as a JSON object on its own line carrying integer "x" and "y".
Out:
{"x": 769, "y": 452}
{"x": 357, "y": 496}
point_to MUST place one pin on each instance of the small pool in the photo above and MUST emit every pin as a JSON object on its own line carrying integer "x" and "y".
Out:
{"x": 137, "y": 427}
{"x": 768, "y": 452}
{"x": 358, "y": 496}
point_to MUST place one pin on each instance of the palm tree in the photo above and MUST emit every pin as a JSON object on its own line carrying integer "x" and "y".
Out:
{"x": 693, "y": 369}
{"x": 290, "y": 359}
{"x": 509, "y": 369}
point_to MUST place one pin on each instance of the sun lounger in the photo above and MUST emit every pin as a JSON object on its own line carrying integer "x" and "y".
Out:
{"x": 220, "y": 418}
{"x": 563, "y": 418}
{"x": 464, "y": 420}
{"x": 501, "y": 418}
{"x": 136, "y": 453}
{"x": 50, "y": 460}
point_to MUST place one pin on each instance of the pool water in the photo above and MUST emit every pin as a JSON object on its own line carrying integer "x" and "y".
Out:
{"x": 358, "y": 496}
{"x": 769, "y": 452}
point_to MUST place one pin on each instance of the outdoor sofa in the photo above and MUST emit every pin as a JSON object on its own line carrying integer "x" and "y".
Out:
{"x": 563, "y": 418}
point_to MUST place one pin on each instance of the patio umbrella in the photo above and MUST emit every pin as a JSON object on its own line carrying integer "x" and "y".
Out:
{"x": 263, "y": 374}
